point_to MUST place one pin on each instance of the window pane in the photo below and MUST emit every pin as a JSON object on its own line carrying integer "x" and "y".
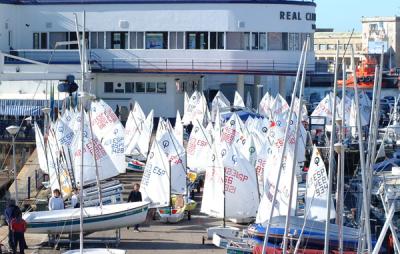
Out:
{"x": 133, "y": 40}
{"x": 237, "y": 40}
{"x": 139, "y": 40}
{"x": 150, "y": 87}
{"x": 254, "y": 41}
{"x": 156, "y": 40}
{"x": 36, "y": 40}
{"x": 108, "y": 40}
{"x": 129, "y": 87}
{"x": 172, "y": 40}
{"x": 161, "y": 87}
{"x": 140, "y": 87}
{"x": 197, "y": 40}
{"x": 100, "y": 40}
{"x": 275, "y": 41}
{"x": 118, "y": 40}
{"x": 191, "y": 40}
{"x": 179, "y": 42}
{"x": 285, "y": 41}
{"x": 93, "y": 42}
{"x": 43, "y": 40}
{"x": 57, "y": 37}
{"x": 220, "y": 40}
{"x": 213, "y": 40}
{"x": 262, "y": 41}
{"x": 108, "y": 87}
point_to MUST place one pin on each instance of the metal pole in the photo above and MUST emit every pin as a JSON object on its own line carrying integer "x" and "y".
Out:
{"x": 292, "y": 181}
{"x": 15, "y": 170}
{"x": 362, "y": 153}
{"x": 303, "y": 55}
{"x": 331, "y": 155}
{"x": 384, "y": 230}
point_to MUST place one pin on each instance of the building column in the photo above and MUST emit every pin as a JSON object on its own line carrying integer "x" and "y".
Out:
{"x": 282, "y": 86}
{"x": 257, "y": 91}
{"x": 240, "y": 85}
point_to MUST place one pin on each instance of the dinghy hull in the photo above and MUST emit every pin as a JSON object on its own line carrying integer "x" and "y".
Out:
{"x": 94, "y": 219}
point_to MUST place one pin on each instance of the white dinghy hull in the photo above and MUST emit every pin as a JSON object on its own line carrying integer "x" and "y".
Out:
{"x": 94, "y": 219}
{"x": 97, "y": 251}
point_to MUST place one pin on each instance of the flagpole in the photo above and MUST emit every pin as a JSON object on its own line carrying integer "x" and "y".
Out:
{"x": 303, "y": 54}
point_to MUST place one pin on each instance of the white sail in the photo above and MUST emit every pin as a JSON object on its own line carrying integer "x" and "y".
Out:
{"x": 213, "y": 191}
{"x": 317, "y": 189}
{"x": 241, "y": 192}
{"x": 155, "y": 181}
{"x": 93, "y": 149}
{"x": 133, "y": 129}
{"x": 304, "y": 112}
{"x": 282, "y": 198}
{"x": 279, "y": 107}
{"x": 143, "y": 141}
{"x": 198, "y": 148}
{"x": 178, "y": 129}
{"x": 176, "y": 157}
{"x": 40, "y": 149}
{"x": 249, "y": 101}
{"x": 238, "y": 100}
{"x": 219, "y": 101}
{"x": 109, "y": 131}
{"x": 324, "y": 109}
{"x": 233, "y": 130}
{"x": 185, "y": 103}
{"x": 194, "y": 109}
{"x": 265, "y": 105}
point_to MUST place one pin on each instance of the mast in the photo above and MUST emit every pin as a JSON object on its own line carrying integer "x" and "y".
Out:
{"x": 362, "y": 161}
{"x": 340, "y": 180}
{"x": 294, "y": 166}
{"x": 170, "y": 187}
{"x": 302, "y": 61}
{"x": 331, "y": 156}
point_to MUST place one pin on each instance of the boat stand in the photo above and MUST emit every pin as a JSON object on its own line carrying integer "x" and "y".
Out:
{"x": 73, "y": 239}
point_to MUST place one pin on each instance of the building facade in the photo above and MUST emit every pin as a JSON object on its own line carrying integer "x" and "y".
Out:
{"x": 152, "y": 51}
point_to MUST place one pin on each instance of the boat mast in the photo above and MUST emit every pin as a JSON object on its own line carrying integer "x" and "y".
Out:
{"x": 341, "y": 157}
{"x": 362, "y": 161}
{"x": 331, "y": 155}
{"x": 303, "y": 54}
{"x": 170, "y": 187}
{"x": 294, "y": 166}
{"x": 82, "y": 133}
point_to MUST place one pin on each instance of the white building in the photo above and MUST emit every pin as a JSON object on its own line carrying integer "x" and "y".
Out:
{"x": 151, "y": 51}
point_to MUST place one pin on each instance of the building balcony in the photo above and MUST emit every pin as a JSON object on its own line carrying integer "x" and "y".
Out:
{"x": 175, "y": 61}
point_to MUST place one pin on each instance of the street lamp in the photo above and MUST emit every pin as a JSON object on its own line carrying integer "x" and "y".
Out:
{"x": 13, "y": 130}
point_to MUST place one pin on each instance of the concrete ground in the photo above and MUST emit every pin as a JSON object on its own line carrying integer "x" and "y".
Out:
{"x": 184, "y": 237}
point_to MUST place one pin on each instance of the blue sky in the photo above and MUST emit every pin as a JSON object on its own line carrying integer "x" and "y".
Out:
{"x": 344, "y": 15}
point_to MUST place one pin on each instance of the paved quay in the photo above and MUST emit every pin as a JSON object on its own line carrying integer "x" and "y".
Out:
{"x": 183, "y": 237}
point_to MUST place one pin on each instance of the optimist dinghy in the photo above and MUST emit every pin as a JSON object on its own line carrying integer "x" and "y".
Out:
{"x": 94, "y": 218}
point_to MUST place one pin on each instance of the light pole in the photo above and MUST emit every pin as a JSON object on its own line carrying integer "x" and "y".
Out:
{"x": 13, "y": 130}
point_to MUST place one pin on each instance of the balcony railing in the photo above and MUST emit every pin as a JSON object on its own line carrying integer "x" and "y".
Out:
{"x": 138, "y": 64}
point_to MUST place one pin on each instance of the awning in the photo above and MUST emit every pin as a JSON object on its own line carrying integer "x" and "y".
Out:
{"x": 22, "y": 107}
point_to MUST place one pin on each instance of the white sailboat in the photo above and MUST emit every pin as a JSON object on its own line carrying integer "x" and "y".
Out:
{"x": 198, "y": 148}
{"x": 238, "y": 101}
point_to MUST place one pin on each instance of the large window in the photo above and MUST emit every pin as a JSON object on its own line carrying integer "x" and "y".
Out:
{"x": 108, "y": 87}
{"x": 151, "y": 87}
{"x": 117, "y": 40}
{"x": 258, "y": 41}
{"x": 97, "y": 40}
{"x": 278, "y": 41}
{"x": 36, "y": 40}
{"x": 238, "y": 40}
{"x": 140, "y": 87}
{"x": 43, "y": 40}
{"x": 294, "y": 41}
{"x": 156, "y": 40}
{"x": 217, "y": 40}
{"x": 58, "y": 37}
{"x": 136, "y": 40}
{"x": 197, "y": 40}
{"x": 176, "y": 40}
{"x": 129, "y": 87}
{"x": 161, "y": 87}
{"x": 72, "y": 37}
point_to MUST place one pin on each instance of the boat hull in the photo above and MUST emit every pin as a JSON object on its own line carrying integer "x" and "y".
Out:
{"x": 94, "y": 219}
{"x": 96, "y": 251}
{"x": 168, "y": 216}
